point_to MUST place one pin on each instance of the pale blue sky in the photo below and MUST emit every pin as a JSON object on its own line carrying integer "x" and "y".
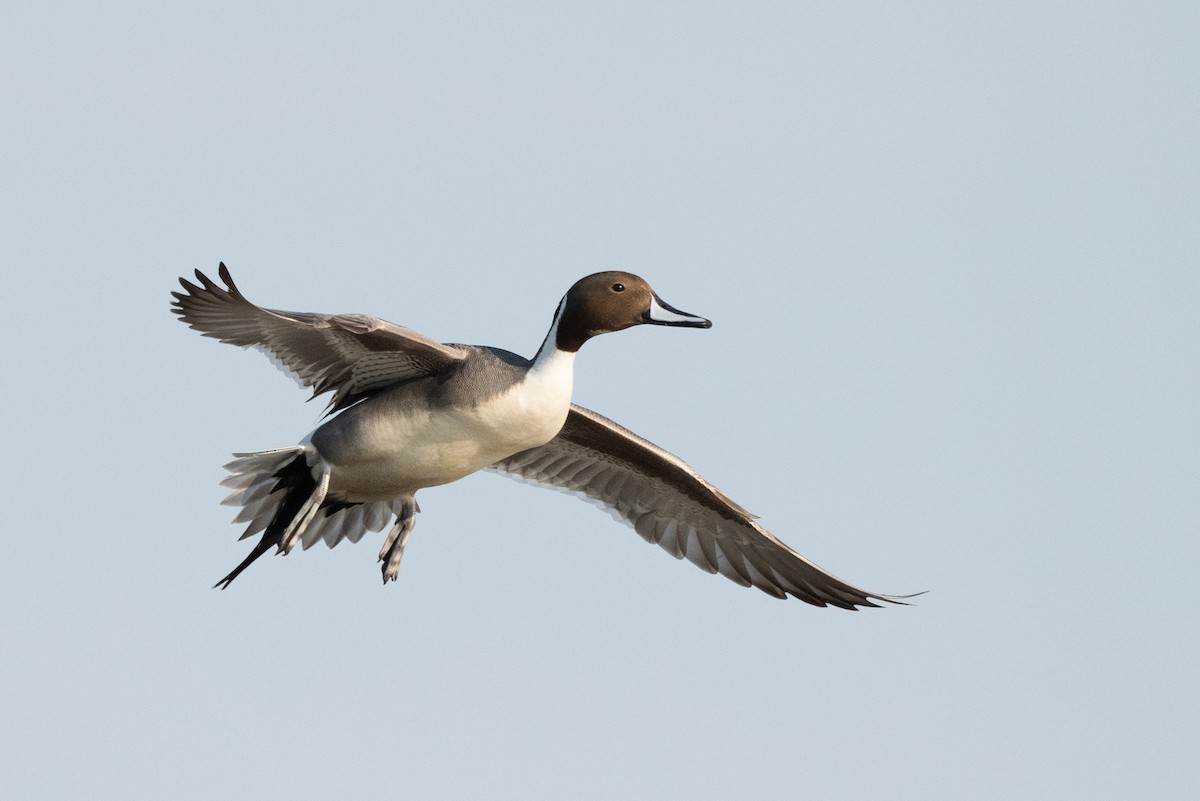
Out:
{"x": 950, "y": 253}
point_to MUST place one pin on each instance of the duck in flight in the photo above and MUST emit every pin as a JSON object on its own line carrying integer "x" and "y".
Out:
{"x": 408, "y": 413}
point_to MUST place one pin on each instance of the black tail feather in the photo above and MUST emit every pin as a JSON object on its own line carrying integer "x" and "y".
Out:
{"x": 295, "y": 480}
{"x": 269, "y": 538}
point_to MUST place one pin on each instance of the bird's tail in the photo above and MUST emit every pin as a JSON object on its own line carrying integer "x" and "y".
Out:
{"x": 283, "y": 494}
{"x": 280, "y": 492}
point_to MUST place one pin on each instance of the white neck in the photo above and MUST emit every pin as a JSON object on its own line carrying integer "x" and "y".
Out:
{"x": 550, "y": 359}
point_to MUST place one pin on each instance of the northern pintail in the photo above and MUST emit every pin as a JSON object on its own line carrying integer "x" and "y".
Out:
{"x": 408, "y": 413}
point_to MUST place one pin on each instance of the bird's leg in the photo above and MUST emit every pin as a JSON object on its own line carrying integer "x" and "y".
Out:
{"x": 393, "y": 548}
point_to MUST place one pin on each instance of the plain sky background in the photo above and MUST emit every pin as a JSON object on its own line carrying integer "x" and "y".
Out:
{"x": 951, "y": 252}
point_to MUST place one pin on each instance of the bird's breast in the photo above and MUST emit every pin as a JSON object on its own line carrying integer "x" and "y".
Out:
{"x": 404, "y": 441}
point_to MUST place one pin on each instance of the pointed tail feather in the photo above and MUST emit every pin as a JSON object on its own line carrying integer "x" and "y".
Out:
{"x": 283, "y": 512}
{"x": 283, "y": 495}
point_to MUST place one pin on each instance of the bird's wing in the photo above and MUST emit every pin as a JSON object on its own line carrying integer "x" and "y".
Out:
{"x": 670, "y": 505}
{"x": 350, "y": 355}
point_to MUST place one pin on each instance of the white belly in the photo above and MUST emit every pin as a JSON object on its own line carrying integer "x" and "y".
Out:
{"x": 381, "y": 451}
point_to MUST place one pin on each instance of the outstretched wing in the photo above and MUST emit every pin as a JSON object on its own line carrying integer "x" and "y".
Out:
{"x": 350, "y": 355}
{"x": 670, "y": 505}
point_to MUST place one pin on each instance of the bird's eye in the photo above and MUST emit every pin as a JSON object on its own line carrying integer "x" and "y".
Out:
{"x": 618, "y": 287}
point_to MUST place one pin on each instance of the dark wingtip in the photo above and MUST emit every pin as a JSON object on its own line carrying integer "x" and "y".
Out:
{"x": 899, "y": 600}
{"x": 223, "y": 271}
